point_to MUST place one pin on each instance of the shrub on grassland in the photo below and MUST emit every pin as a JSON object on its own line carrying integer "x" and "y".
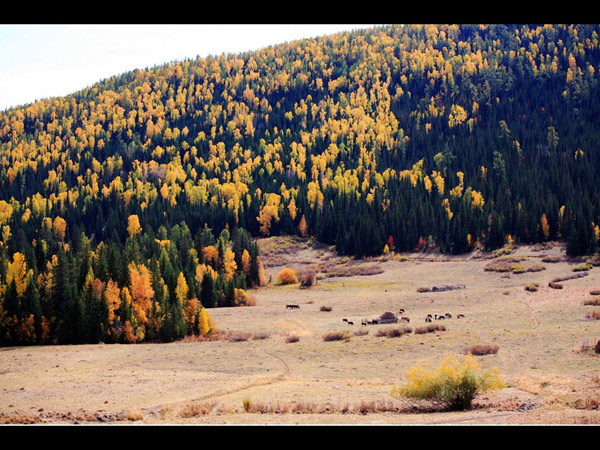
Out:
{"x": 570, "y": 277}
{"x": 287, "y": 276}
{"x": 243, "y": 298}
{"x": 247, "y": 403}
{"x": 594, "y": 301}
{"x": 594, "y": 260}
{"x": 292, "y": 338}
{"x": 308, "y": 279}
{"x": 239, "y": 337}
{"x": 582, "y": 267}
{"x": 482, "y": 349}
{"x": 134, "y": 416}
{"x": 430, "y": 328}
{"x": 336, "y": 336}
{"x": 532, "y": 287}
{"x": 510, "y": 265}
{"x": 451, "y": 386}
{"x": 394, "y": 332}
{"x": 197, "y": 409}
{"x": 553, "y": 259}
{"x": 260, "y": 336}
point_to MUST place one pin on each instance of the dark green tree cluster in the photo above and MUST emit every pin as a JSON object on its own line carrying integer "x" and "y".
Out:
{"x": 152, "y": 288}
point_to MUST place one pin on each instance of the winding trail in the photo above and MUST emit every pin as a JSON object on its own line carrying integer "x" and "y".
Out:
{"x": 504, "y": 354}
{"x": 174, "y": 409}
{"x": 478, "y": 418}
{"x": 537, "y": 321}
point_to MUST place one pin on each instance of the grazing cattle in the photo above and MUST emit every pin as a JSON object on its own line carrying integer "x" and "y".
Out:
{"x": 448, "y": 316}
{"x": 350, "y": 323}
{"x": 292, "y": 306}
{"x": 344, "y": 320}
{"x": 427, "y": 319}
{"x": 374, "y": 322}
{"x": 460, "y": 316}
{"x": 363, "y": 322}
{"x": 405, "y": 319}
{"x": 401, "y": 311}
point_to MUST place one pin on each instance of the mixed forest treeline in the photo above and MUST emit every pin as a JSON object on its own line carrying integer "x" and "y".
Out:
{"x": 128, "y": 209}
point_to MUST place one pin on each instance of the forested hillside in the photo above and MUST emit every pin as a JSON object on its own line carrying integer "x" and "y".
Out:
{"x": 129, "y": 207}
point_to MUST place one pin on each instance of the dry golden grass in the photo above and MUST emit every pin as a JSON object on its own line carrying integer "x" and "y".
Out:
{"x": 538, "y": 336}
{"x": 134, "y": 416}
{"x": 196, "y": 409}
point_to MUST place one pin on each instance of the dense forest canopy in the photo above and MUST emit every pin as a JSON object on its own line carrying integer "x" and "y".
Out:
{"x": 129, "y": 207}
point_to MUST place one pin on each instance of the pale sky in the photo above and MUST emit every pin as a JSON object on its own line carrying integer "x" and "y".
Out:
{"x": 41, "y": 61}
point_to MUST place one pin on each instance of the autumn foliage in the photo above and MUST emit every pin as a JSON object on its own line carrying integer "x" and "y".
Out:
{"x": 452, "y": 385}
{"x": 147, "y": 302}
{"x": 390, "y": 139}
{"x": 287, "y": 276}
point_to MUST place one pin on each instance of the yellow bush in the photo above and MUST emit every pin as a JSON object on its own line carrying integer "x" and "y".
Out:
{"x": 452, "y": 385}
{"x": 287, "y": 276}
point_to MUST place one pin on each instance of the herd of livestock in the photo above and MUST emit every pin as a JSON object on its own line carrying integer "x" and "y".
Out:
{"x": 390, "y": 317}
